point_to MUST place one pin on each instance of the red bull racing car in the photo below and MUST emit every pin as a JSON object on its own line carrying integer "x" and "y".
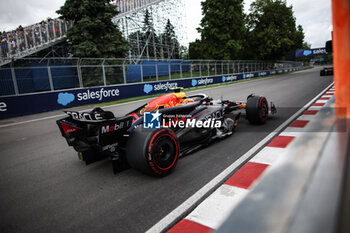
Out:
{"x": 153, "y": 137}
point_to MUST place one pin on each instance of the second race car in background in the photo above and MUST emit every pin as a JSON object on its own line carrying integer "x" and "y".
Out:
{"x": 326, "y": 71}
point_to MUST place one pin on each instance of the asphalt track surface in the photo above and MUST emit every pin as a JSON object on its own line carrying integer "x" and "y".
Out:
{"x": 44, "y": 188}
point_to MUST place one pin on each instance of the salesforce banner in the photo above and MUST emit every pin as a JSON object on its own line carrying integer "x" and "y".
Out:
{"x": 12, "y": 106}
{"x": 311, "y": 52}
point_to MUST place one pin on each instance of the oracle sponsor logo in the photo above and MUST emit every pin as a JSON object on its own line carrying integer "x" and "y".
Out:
{"x": 84, "y": 116}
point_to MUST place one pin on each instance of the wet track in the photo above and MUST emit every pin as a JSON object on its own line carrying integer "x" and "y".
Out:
{"x": 44, "y": 188}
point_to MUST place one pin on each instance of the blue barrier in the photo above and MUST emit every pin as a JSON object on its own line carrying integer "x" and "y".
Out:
{"x": 12, "y": 106}
{"x": 36, "y": 78}
{"x": 149, "y": 68}
{"x": 6, "y": 87}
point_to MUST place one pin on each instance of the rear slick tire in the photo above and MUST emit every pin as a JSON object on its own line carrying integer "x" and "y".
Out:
{"x": 257, "y": 110}
{"x": 153, "y": 151}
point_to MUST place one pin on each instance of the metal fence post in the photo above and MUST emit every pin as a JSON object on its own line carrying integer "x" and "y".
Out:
{"x": 104, "y": 73}
{"x": 157, "y": 75}
{"x": 169, "y": 70}
{"x": 191, "y": 69}
{"x": 181, "y": 69}
{"x": 124, "y": 73}
{"x": 50, "y": 77}
{"x": 80, "y": 78}
{"x": 141, "y": 71}
{"x": 200, "y": 69}
{"x": 208, "y": 67}
{"x": 14, "y": 80}
{"x": 222, "y": 68}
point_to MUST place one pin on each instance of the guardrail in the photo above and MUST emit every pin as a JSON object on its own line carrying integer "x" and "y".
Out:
{"x": 37, "y": 75}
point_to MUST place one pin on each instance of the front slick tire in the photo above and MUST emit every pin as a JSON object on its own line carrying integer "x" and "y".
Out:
{"x": 257, "y": 110}
{"x": 153, "y": 151}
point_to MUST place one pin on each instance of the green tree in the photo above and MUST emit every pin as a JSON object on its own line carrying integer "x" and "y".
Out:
{"x": 93, "y": 33}
{"x": 183, "y": 53}
{"x": 172, "y": 45}
{"x": 196, "y": 50}
{"x": 149, "y": 35}
{"x": 222, "y": 30}
{"x": 306, "y": 46}
{"x": 272, "y": 31}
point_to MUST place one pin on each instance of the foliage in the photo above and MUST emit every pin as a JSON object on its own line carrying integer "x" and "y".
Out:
{"x": 272, "y": 31}
{"x": 196, "y": 50}
{"x": 93, "y": 33}
{"x": 269, "y": 32}
{"x": 306, "y": 45}
{"x": 222, "y": 30}
{"x": 171, "y": 42}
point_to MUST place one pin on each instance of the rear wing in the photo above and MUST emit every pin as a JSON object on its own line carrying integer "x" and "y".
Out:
{"x": 96, "y": 130}
{"x": 96, "y": 115}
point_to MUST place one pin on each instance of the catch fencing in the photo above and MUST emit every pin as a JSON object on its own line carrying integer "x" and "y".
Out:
{"x": 30, "y": 75}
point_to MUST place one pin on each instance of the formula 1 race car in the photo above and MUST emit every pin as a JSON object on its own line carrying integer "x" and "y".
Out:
{"x": 153, "y": 137}
{"x": 326, "y": 71}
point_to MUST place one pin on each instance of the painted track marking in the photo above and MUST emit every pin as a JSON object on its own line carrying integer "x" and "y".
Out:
{"x": 182, "y": 210}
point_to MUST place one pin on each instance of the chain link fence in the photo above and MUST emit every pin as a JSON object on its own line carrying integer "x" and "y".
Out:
{"x": 31, "y": 75}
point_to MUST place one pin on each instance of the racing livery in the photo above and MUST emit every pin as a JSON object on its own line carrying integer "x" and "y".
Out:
{"x": 188, "y": 123}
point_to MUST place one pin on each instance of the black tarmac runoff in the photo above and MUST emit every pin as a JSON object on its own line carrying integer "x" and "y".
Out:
{"x": 45, "y": 188}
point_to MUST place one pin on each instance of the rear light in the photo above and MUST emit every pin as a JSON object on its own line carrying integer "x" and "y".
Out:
{"x": 69, "y": 128}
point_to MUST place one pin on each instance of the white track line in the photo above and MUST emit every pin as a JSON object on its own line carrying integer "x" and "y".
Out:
{"x": 183, "y": 209}
{"x": 218, "y": 206}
